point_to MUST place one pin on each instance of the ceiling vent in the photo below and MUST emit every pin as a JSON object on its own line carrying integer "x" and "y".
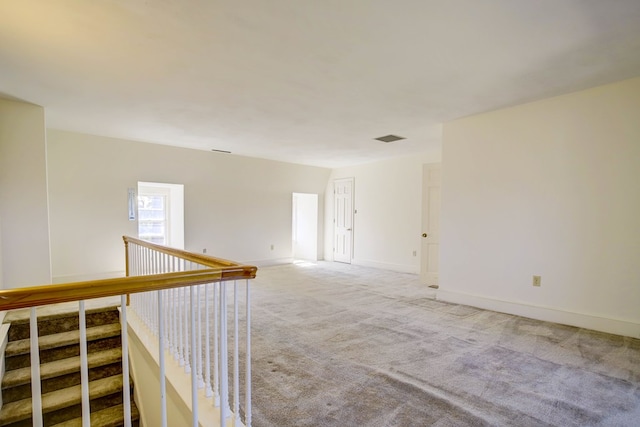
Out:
{"x": 390, "y": 138}
{"x": 220, "y": 151}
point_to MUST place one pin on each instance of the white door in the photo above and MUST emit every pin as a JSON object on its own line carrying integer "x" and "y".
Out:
{"x": 343, "y": 219}
{"x": 430, "y": 251}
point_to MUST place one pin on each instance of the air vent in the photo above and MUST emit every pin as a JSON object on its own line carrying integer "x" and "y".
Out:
{"x": 220, "y": 151}
{"x": 390, "y": 138}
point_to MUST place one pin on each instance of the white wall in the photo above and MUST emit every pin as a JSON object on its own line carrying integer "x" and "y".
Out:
{"x": 387, "y": 225}
{"x": 235, "y": 207}
{"x": 550, "y": 188}
{"x": 24, "y": 221}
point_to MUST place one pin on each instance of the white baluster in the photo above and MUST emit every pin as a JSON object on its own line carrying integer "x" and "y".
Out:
{"x": 168, "y": 293}
{"x": 216, "y": 344}
{"x": 199, "y": 345}
{"x": 84, "y": 366}
{"x": 36, "y": 391}
{"x": 126, "y": 402}
{"x": 132, "y": 259}
{"x": 154, "y": 312}
{"x": 179, "y": 320}
{"x": 224, "y": 379}
{"x": 194, "y": 383}
{"x": 247, "y": 401}
{"x": 143, "y": 261}
{"x": 161, "y": 339}
{"x": 167, "y": 318}
{"x": 236, "y": 355}
{"x": 172, "y": 323}
{"x": 145, "y": 309}
{"x": 207, "y": 352}
{"x": 153, "y": 317}
{"x": 166, "y": 314}
{"x": 187, "y": 350}
{"x": 156, "y": 262}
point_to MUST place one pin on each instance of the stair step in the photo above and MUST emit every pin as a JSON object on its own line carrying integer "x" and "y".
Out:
{"x": 60, "y": 367}
{"x": 59, "y": 399}
{"x": 109, "y": 417}
{"x": 51, "y": 319}
{"x": 61, "y": 339}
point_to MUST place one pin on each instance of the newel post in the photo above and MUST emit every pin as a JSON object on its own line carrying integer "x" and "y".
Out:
{"x": 126, "y": 263}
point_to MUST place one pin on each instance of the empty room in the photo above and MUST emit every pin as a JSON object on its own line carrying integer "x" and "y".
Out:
{"x": 334, "y": 213}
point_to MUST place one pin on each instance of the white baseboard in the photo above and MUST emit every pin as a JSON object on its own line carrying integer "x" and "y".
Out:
{"x": 401, "y": 268}
{"x": 581, "y": 320}
{"x": 269, "y": 262}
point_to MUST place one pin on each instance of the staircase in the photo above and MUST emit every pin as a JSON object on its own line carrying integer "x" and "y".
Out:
{"x": 60, "y": 369}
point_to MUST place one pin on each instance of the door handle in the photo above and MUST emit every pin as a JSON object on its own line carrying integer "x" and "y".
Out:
{"x": 424, "y": 234}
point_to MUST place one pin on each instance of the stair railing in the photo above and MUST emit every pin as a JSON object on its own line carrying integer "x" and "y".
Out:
{"x": 191, "y": 324}
{"x": 171, "y": 291}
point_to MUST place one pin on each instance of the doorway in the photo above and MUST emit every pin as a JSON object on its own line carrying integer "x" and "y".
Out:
{"x": 343, "y": 220}
{"x": 304, "y": 226}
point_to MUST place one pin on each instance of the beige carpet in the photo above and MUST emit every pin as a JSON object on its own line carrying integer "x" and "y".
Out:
{"x": 339, "y": 345}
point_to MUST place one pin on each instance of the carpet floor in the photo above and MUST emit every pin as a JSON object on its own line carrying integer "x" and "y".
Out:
{"x": 342, "y": 345}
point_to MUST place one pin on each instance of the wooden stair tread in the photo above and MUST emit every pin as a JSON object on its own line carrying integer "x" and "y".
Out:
{"x": 60, "y": 367}
{"x": 61, "y": 339}
{"x": 54, "y": 311}
{"x": 62, "y": 398}
{"x": 109, "y": 417}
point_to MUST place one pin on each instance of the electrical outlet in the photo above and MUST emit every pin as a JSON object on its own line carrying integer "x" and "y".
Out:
{"x": 272, "y": 247}
{"x": 537, "y": 280}
{"x": 204, "y": 251}
{"x": 415, "y": 253}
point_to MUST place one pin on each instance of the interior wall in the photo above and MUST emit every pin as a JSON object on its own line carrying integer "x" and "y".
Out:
{"x": 235, "y": 207}
{"x": 24, "y": 220}
{"x": 387, "y": 225}
{"x": 549, "y": 188}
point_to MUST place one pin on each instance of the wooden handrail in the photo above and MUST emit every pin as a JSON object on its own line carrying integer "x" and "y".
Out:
{"x": 203, "y": 259}
{"x": 52, "y": 294}
{"x": 220, "y": 270}
{"x": 230, "y": 270}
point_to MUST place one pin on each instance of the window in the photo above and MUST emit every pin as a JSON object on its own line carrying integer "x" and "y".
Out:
{"x": 161, "y": 213}
{"x": 153, "y": 218}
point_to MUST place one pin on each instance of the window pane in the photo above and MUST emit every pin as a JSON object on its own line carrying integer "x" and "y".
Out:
{"x": 146, "y": 214}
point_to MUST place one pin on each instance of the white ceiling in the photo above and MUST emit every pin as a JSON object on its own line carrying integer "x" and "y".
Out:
{"x": 304, "y": 81}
